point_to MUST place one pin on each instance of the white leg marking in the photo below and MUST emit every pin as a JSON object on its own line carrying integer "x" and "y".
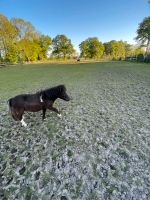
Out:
{"x": 41, "y": 100}
{"x": 59, "y": 115}
{"x": 23, "y": 122}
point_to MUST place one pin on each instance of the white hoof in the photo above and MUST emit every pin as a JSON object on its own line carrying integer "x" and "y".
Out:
{"x": 59, "y": 115}
{"x": 23, "y": 123}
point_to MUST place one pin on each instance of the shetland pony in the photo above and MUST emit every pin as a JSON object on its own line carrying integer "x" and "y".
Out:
{"x": 42, "y": 100}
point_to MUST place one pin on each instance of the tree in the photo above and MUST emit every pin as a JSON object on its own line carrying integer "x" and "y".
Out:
{"x": 44, "y": 43}
{"x": 84, "y": 49}
{"x": 91, "y": 48}
{"x": 143, "y": 33}
{"x": 31, "y": 44}
{"x": 25, "y": 29}
{"x": 29, "y": 50}
{"x": 11, "y": 53}
{"x": 128, "y": 49}
{"x": 115, "y": 49}
{"x": 8, "y": 38}
{"x": 118, "y": 49}
{"x": 62, "y": 46}
{"x": 20, "y": 41}
{"x": 107, "y": 46}
{"x": 138, "y": 50}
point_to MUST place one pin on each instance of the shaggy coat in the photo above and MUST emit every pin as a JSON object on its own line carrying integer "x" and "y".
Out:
{"x": 42, "y": 100}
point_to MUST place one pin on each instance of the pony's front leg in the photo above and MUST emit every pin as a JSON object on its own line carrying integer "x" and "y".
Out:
{"x": 55, "y": 110}
{"x": 44, "y": 111}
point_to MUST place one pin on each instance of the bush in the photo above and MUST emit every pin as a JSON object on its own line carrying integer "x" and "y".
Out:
{"x": 140, "y": 58}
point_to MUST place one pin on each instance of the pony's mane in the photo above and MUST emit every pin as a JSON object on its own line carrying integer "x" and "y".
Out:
{"x": 58, "y": 88}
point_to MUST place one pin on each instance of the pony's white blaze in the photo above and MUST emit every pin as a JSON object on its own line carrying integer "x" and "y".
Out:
{"x": 23, "y": 122}
{"x": 41, "y": 100}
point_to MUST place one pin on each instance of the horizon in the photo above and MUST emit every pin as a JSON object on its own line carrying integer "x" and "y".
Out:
{"x": 80, "y": 20}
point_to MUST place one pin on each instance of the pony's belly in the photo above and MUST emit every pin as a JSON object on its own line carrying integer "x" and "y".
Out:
{"x": 33, "y": 108}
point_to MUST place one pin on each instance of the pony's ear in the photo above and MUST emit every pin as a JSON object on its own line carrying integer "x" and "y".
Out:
{"x": 62, "y": 88}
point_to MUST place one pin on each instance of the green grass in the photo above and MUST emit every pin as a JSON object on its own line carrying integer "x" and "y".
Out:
{"x": 27, "y": 78}
{"x": 33, "y": 77}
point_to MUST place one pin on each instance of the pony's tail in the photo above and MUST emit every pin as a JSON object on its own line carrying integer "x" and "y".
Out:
{"x": 11, "y": 110}
{"x": 9, "y": 105}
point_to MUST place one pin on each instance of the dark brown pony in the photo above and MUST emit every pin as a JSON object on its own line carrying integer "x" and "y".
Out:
{"x": 35, "y": 102}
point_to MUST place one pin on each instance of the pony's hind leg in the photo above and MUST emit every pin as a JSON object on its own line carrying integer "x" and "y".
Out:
{"x": 17, "y": 115}
{"x": 23, "y": 122}
{"x": 21, "y": 118}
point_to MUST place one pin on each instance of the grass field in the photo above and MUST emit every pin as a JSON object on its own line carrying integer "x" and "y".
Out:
{"x": 100, "y": 147}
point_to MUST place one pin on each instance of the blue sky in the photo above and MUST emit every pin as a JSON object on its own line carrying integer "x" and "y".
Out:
{"x": 80, "y": 19}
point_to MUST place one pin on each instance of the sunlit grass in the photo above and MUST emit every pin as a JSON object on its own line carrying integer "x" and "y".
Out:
{"x": 33, "y": 77}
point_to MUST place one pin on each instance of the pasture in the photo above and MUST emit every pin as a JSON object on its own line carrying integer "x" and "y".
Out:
{"x": 99, "y": 149}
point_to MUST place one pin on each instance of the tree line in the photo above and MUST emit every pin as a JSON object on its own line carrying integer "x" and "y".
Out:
{"x": 21, "y": 42}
